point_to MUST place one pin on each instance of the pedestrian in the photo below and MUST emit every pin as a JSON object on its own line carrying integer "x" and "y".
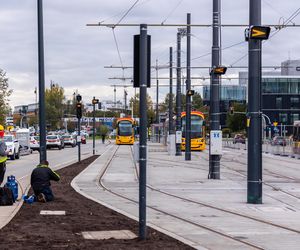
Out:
{"x": 103, "y": 132}
{"x": 103, "y": 139}
{"x": 40, "y": 181}
{"x": 3, "y": 155}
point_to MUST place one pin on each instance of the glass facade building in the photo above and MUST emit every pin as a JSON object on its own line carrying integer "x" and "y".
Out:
{"x": 228, "y": 94}
{"x": 281, "y": 100}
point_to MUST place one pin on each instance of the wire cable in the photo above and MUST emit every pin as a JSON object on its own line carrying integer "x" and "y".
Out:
{"x": 117, "y": 46}
{"x": 126, "y": 13}
{"x": 289, "y": 20}
{"x": 172, "y": 11}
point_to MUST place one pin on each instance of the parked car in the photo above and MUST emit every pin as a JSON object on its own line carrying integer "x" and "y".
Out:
{"x": 69, "y": 140}
{"x": 83, "y": 140}
{"x": 239, "y": 138}
{"x": 55, "y": 141}
{"x": 35, "y": 143}
{"x": 278, "y": 140}
{"x": 13, "y": 147}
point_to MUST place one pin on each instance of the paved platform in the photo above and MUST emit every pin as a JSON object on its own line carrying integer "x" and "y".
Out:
{"x": 174, "y": 175}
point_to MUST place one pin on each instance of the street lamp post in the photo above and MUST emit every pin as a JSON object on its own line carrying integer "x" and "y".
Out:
{"x": 79, "y": 115}
{"x": 94, "y": 102}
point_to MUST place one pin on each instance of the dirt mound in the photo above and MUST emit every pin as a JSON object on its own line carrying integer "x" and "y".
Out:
{"x": 30, "y": 230}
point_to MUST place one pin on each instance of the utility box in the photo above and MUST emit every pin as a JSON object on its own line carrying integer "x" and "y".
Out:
{"x": 171, "y": 144}
{"x": 216, "y": 142}
{"x": 23, "y": 136}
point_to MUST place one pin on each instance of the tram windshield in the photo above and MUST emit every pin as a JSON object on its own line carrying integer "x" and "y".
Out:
{"x": 296, "y": 131}
{"x": 196, "y": 126}
{"x": 125, "y": 128}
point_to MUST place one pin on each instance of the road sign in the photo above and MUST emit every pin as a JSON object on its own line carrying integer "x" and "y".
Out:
{"x": 178, "y": 137}
{"x": 216, "y": 142}
{"x": 260, "y": 32}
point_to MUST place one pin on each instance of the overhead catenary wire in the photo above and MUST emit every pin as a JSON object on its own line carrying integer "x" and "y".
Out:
{"x": 126, "y": 13}
{"x": 278, "y": 28}
{"x": 172, "y": 11}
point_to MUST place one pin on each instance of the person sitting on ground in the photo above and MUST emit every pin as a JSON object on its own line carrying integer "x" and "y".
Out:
{"x": 3, "y": 155}
{"x": 40, "y": 181}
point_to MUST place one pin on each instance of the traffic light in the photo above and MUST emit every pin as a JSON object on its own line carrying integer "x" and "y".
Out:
{"x": 79, "y": 110}
{"x": 190, "y": 92}
{"x": 231, "y": 110}
{"x": 219, "y": 70}
{"x": 95, "y": 101}
{"x": 78, "y": 98}
{"x": 99, "y": 105}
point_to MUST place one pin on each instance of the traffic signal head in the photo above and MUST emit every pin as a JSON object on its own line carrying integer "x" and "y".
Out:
{"x": 231, "y": 110}
{"x": 95, "y": 101}
{"x": 190, "y": 92}
{"x": 99, "y": 105}
{"x": 79, "y": 110}
{"x": 78, "y": 98}
{"x": 219, "y": 70}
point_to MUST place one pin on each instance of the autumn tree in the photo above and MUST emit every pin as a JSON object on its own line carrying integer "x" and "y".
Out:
{"x": 54, "y": 98}
{"x": 134, "y": 103}
{"x": 5, "y": 92}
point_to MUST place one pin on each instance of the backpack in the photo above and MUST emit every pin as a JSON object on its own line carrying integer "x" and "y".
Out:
{"x": 6, "y": 196}
{"x": 2, "y": 149}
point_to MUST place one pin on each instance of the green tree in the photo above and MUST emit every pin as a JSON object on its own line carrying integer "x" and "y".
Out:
{"x": 236, "y": 122}
{"x": 164, "y": 107}
{"x": 5, "y": 92}
{"x": 135, "y": 103}
{"x": 54, "y": 98}
{"x": 103, "y": 130}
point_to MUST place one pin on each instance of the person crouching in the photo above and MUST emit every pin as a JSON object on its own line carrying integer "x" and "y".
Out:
{"x": 40, "y": 181}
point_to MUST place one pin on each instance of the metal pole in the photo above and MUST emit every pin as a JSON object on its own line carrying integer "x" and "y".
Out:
{"x": 125, "y": 93}
{"x": 214, "y": 160}
{"x": 171, "y": 129}
{"x": 143, "y": 131}
{"x": 42, "y": 111}
{"x": 254, "y": 187}
{"x": 94, "y": 125}
{"x": 178, "y": 93}
{"x": 115, "y": 96}
{"x": 157, "y": 93}
{"x": 188, "y": 97}
{"x": 78, "y": 141}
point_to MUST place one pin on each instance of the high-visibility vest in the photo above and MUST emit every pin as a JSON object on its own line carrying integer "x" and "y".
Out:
{"x": 3, "y": 159}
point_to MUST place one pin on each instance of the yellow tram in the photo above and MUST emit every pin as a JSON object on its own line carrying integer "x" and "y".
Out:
{"x": 197, "y": 131}
{"x": 296, "y": 137}
{"x": 125, "y": 131}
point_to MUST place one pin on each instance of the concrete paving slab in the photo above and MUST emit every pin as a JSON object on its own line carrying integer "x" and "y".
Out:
{"x": 105, "y": 235}
{"x": 189, "y": 180}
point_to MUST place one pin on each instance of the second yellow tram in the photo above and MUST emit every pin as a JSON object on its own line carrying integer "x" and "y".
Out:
{"x": 197, "y": 131}
{"x": 125, "y": 131}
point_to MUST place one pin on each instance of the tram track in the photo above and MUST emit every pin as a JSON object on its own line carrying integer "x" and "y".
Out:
{"x": 270, "y": 173}
{"x": 205, "y": 227}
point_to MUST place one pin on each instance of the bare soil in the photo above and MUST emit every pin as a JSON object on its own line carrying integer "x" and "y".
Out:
{"x": 30, "y": 230}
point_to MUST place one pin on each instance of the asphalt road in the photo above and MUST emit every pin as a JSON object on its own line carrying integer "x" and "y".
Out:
{"x": 27, "y": 163}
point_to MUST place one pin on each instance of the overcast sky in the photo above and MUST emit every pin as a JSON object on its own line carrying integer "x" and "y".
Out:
{"x": 75, "y": 55}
